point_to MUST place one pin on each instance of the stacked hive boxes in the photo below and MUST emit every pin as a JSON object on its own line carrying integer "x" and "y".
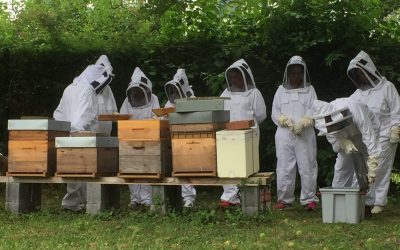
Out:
{"x": 237, "y": 153}
{"x": 193, "y": 130}
{"x": 87, "y": 156}
{"x": 144, "y": 148}
{"x": 31, "y": 146}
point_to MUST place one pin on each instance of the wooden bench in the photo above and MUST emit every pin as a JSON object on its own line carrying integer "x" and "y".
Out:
{"x": 23, "y": 194}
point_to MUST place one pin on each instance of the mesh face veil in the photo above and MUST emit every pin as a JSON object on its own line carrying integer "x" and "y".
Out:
{"x": 239, "y": 77}
{"x": 139, "y": 90}
{"x": 296, "y": 71}
{"x": 106, "y": 76}
{"x": 363, "y": 72}
{"x": 178, "y": 87}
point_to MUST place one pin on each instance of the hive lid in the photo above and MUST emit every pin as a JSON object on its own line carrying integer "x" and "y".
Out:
{"x": 86, "y": 142}
{"x": 38, "y": 124}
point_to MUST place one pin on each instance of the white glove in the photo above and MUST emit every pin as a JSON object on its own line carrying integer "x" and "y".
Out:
{"x": 284, "y": 121}
{"x": 304, "y": 122}
{"x": 347, "y": 146}
{"x": 297, "y": 129}
{"x": 395, "y": 134}
{"x": 372, "y": 164}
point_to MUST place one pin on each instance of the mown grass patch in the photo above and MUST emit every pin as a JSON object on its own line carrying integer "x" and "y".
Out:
{"x": 202, "y": 228}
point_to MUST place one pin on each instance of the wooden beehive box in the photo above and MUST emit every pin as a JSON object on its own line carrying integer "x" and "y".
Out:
{"x": 235, "y": 153}
{"x": 31, "y": 146}
{"x": 145, "y": 159}
{"x": 195, "y": 104}
{"x": 144, "y": 149}
{"x": 194, "y": 154}
{"x": 87, "y": 156}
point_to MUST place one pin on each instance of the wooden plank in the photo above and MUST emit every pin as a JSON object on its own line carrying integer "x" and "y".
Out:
{"x": 113, "y": 117}
{"x": 163, "y": 111}
{"x": 236, "y": 125}
{"x": 143, "y": 130}
{"x": 188, "y": 174}
{"x": 88, "y": 175}
{"x": 197, "y": 127}
{"x": 139, "y": 148}
{"x": 28, "y": 135}
{"x": 264, "y": 179}
{"x": 140, "y": 176}
{"x": 43, "y": 174}
{"x": 35, "y": 135}
{"x": 194, "y": 155}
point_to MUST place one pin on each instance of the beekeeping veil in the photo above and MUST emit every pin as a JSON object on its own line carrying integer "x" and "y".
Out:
{"x": 178, "y": 87}
{"x": 296, "y": 60}
{"x": 363, "y": 72}
{"x": 139, "y": 89}
{"x": 245, "y": 76}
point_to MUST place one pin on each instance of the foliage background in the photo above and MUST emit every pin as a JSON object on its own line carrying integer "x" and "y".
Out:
{"x": 45, "y": 44}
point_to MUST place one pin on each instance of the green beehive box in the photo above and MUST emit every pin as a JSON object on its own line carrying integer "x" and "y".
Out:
{"x": 199, "y": 117}
{"x": 196, "y": 104}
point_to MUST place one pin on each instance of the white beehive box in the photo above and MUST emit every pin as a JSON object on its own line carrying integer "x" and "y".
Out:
{"x": 235, "y": 157}
{"x": 342, "y": 205}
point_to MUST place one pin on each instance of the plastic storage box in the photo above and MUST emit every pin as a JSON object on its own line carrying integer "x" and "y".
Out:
{"x": 342, "y": 205}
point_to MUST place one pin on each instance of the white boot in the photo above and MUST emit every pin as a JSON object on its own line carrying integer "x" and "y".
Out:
{"x": 377, "y": 209}
{"x": 188, "y": 204}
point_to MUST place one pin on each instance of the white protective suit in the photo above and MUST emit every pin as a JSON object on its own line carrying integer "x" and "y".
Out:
{"x": 105, "y": 99}
{"x": 245, "y": 104}
{"x": 383, "y": 100}
{"x": 140, "y": 107}
{"x": 295, "y": 149}
{"x": 177, "y": 88}
{"x": 80, "y": 106}
{"x": 362, "y": 131}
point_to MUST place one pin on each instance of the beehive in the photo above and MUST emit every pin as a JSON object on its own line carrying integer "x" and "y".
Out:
{"x": 31, "y": 146}
{"x": 144, "y": 148}
{"x": 87, "y": 156}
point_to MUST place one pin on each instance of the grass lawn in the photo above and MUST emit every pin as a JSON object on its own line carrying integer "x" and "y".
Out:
{"x": 203, "y": 228}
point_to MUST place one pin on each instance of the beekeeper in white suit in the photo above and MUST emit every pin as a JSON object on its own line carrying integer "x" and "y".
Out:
{"x": 359, "y": 134}
{"x": 139, "y": 102}
{"x": 383, "y": 100}
{"x": 79, "y": 105}
{"x": 105, "y": 99}
{"x": 177, "y": 88}
{"x": 295, "y": 136}
{"x": 246, "y": 103}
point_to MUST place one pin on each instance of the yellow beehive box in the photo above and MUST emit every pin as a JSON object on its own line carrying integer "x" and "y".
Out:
{"x": 143, "y": 130}
{"x": 235, "y": 157}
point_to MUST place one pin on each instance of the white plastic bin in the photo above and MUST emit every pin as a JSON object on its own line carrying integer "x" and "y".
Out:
{"x": 342, "y": 205}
